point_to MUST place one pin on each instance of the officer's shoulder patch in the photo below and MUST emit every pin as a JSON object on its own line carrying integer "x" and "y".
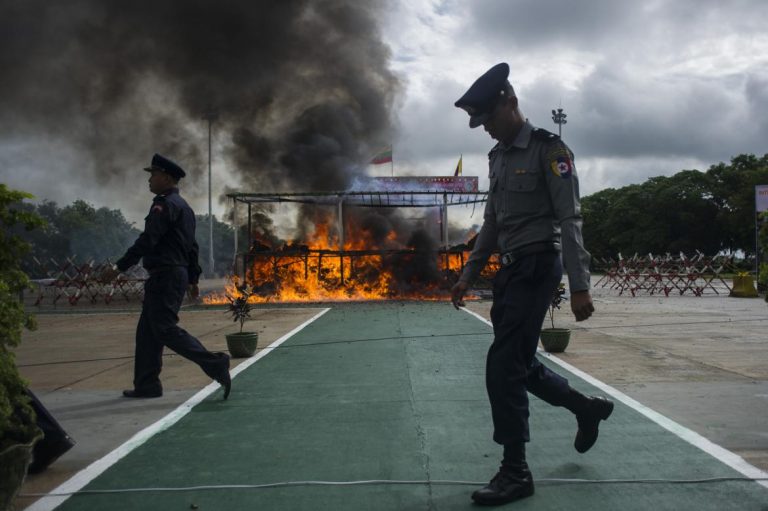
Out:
{"x": 542, "y": 134}
{"x": 157, "y": 207}
{"x": 560, "y": 160}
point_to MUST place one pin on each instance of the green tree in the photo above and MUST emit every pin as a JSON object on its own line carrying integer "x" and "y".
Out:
{"x": 733, "y": 189}
{"x": 762, "y": 239}
{"x": 97, "y": 234}
{"x": 47, "y": 242}
{"x": 17, "y": 420}
{"x": 684, "y": 210}
{"x": 77, "y": 230}
{"x": 688, "y": 211}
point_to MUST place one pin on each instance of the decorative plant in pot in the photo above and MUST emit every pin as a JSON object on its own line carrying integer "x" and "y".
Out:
{"x": 555, "y": 340}
{"x": 241, "y": 344}
{"x": 18, "y": 431}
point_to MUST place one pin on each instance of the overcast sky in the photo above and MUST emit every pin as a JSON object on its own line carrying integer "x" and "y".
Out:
{"x": 649, "y": 88}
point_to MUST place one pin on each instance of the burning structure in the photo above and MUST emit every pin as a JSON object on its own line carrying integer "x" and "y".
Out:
{"x": 295, "y": 95}
{"x": 357, "y": 249}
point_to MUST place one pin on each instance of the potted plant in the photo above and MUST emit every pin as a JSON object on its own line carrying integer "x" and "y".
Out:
{"x": 555, "y": 340}
{"x": 18, "y": 429}
{"x": 241, "y": 344}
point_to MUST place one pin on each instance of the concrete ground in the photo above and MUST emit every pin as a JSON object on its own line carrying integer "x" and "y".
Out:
{"x": 698, "y": 360}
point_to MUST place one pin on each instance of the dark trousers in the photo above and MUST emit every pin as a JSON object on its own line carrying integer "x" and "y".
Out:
{"x": 158, "y": 327}
{"x": 522, "y": 293}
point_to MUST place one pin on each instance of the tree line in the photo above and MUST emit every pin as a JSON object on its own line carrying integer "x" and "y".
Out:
{"x": 712, "y": 211}
{"x": 85, "y": 233}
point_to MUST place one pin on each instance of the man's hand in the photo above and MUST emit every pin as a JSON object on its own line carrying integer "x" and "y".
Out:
{"x": 194, "y": 291}
{"x": 457, "y": 294}
{"x": 581, "y": 305}
{"x": 109, "y": 274}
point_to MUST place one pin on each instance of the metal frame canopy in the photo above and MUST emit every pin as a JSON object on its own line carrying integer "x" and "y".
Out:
{"x": 374, "y": 199}
{"x": 444, "y": 193}
{"x": 382, "y": 192}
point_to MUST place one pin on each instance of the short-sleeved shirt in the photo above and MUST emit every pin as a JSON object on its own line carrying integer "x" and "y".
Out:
{"x": 168, "y": 238}
{"x": 533, "y": 197}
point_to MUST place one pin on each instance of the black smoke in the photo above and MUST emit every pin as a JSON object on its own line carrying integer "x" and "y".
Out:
{"x": 300, "y": 90}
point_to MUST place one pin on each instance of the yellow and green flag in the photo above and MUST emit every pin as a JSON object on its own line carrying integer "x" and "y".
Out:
{"x": 458, "y": 166}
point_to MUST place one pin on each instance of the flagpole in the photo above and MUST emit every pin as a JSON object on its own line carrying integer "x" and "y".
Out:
{"x": 392, "y": 162}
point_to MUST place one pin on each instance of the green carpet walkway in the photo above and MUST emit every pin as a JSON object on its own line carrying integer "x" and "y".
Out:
{"x": 396, "y": 392}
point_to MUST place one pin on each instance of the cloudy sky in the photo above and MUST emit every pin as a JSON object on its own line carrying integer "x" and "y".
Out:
{"x": 649, "y": 87}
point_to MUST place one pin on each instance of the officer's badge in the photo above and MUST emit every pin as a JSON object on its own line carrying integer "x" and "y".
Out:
{"x": 562, "y": 166}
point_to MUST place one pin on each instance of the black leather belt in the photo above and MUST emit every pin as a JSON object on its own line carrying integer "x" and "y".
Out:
{"x": 162, "y": 269}
{"x": 510, "y": 257}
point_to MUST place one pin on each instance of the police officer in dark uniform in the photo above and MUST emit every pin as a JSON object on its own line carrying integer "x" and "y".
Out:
{"x": 169, "y": 252}
{"x": 532, "y": 211}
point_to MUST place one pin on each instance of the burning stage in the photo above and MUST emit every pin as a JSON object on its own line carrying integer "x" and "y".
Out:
{"x": 357, "y": 245}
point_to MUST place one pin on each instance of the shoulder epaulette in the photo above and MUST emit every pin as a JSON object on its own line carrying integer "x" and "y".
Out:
{"x": 493, "y": 150}
{"x": 542, "y": 134}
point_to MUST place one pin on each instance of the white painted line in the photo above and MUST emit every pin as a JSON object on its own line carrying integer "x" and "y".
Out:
{"x": 89, "y": 473}
{"x": 731, "y": 459}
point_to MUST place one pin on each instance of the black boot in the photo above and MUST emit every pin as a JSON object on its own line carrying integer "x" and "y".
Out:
{"x": 224, "y": 378}
{"x": 589, "y": 412}
{"x": 513, "y": 481}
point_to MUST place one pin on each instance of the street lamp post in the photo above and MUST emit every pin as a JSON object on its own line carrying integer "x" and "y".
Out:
{"x": 559, "y": 117}
{"x": 210, "y": 117}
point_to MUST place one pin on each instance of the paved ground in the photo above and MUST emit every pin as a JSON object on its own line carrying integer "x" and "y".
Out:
{"x": 699, "y": 361}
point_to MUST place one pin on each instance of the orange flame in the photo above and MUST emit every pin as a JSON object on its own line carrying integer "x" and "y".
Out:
{"x": 317, "y": 271}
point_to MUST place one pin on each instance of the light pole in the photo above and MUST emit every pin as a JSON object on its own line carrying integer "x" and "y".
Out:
{"x": 559, "y": 118}
{"x": 210, "y": 117}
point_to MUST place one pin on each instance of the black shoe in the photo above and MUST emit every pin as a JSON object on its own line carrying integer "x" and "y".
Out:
{"x": 142, "y": 393}
{"x": 506, "y": 486}
{"x": 597, "y": 409}
{"x": 225, "y": 380}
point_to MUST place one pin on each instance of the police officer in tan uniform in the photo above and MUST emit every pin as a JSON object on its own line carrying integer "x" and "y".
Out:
{"x": 531, "y": 215}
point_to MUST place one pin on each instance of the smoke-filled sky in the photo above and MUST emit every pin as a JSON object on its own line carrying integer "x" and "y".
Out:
{"x": 305, "y": 91}
{"x": 299, "y": 92}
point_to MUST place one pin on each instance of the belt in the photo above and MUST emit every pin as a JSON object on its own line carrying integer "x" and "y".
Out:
{"x": 510, "y": 257}
{"x": 162, "y": 269}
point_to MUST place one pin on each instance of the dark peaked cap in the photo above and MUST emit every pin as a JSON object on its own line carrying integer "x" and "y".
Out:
{"x": 483, "y": 95}
{"x": 163, "y": 164}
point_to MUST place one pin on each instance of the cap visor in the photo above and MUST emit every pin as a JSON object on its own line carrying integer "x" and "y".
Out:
{"x": 477, "y": 120}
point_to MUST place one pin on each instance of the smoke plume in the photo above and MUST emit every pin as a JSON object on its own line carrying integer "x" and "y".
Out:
{"x": 300, "y": 89}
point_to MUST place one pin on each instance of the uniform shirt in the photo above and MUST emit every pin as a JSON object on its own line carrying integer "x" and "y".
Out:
{"x": 168, "y": 238}
{"x": 533, "y": 197}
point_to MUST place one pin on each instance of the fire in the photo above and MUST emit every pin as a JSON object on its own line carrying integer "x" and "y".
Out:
{"x": 371, "y": 267}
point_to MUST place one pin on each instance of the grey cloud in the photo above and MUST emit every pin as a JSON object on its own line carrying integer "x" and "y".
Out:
{"x": 607, "y": 25}
{"x": 525, "y": 24}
